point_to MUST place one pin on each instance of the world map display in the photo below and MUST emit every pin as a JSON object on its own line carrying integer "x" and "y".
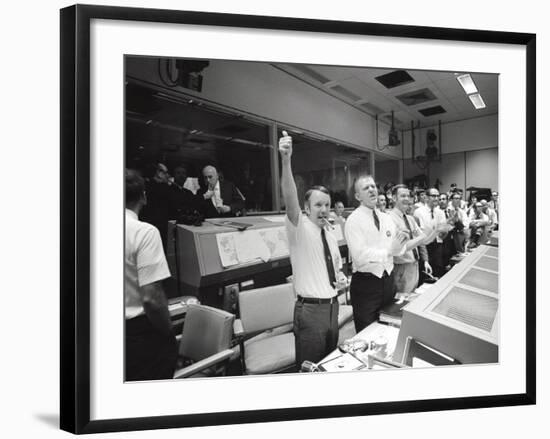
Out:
{"x": 250, "y": 245}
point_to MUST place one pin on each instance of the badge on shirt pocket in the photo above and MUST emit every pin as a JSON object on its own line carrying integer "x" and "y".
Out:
{"x": 388, "y": 233}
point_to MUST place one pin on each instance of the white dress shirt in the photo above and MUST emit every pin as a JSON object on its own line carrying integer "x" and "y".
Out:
{"x": 307, "y": 256}
{"x": 399, "y": 219}
{"x": 217, "y": 198}
{"x": 461, "y": 215}
{"x": 370, "y": 248}
{"x": 429, "y": 222}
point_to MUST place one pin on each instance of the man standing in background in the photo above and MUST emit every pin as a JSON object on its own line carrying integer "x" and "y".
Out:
{"x": 405, "y": 269}
{"x": 431, "y": 219}
{"x": 183, "y": 199}
{"x": 158, "y": 209}
{"x": 459, "y": 221}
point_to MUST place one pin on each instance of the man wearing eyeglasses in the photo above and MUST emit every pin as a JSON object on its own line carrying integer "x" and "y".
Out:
{"x": 431, "y": 218}
{"x": 478, "y": 226}
{"x": 460, "y": 222}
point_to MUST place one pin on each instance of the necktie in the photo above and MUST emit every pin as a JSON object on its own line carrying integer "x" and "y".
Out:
{"x": 328, "y": 259}
{"x": 415, "y": 251}
{"x": 376, "y": 219}
{"x": 432, "y": 213}
{"x": 446, "y": 214}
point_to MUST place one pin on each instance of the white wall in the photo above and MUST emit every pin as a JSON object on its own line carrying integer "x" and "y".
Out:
{"x": 263, "y": 90}
{"x": 482, "y": 168}
{"x": 464, "y": 135}
{"x": 468, "y": 168}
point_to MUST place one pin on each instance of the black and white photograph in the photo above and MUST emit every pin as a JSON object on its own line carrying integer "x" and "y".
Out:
{"x": 290, "y": 218}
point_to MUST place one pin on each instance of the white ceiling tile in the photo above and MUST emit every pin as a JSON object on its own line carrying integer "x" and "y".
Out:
{"x": 358, "y": 88}
{"x": 450, "y": 87}
{"x": 333, "y": 73}
{"x": 486, "y": 82}
{"x": 439, "y": 76}
{"x": 449, "y": 93}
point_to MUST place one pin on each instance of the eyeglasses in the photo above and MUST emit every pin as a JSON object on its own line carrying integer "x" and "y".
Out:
{"x": 433, "y": 195}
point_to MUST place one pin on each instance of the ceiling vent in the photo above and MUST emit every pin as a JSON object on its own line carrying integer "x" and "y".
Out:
{"x": 395, "y": 79}
{"x": 431, "y": 111}
{"x": 416, "y": 97}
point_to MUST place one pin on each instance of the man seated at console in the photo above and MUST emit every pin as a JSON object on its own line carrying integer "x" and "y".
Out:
{"x": 219, "y": 198}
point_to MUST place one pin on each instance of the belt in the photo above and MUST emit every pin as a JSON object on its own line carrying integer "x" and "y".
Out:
{"x": 366, "y": 274}
{"x": 316, "y": 300}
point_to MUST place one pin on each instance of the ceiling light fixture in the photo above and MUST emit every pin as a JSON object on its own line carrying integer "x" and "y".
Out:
{"x": 467, "y": 83}
{"x": 477, "y": 100}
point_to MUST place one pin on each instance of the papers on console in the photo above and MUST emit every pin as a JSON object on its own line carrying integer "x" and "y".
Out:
{"x": 250, "y": 245}
{"x": 344, "y": 362}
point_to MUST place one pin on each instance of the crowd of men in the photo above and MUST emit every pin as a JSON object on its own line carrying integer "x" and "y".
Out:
{"x": 394, "y": 239}
{"x": 171, "y": 197}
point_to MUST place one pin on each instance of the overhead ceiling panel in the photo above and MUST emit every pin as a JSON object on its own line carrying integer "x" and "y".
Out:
{"x": 358, "y": 88}
{"x": 395, "y": 79}
{"x": 450, "y": 87}
{"x": 432, "y": 111}
{"x": 416, "y": 97}
{"x": 439, "y": 76}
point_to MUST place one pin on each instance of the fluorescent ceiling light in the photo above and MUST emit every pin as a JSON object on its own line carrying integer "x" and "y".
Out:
{"x": 467, "y": 83}
{"x": 477, "y": 100}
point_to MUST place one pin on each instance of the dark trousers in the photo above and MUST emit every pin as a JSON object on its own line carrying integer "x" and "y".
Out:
{"x": 368, "y": 295}
{"x": 459, "y": 239}
{"x": 315, "y": 330}
{"x": 149, "y": 354}
{"x": 436, "y": 258}
{"x": 449, "y": 249}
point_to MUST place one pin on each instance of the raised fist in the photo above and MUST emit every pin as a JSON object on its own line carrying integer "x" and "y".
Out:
{"x": 285, "y": 145}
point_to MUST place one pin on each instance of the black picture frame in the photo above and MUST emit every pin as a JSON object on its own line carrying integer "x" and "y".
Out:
{"x": 75, "y": 217}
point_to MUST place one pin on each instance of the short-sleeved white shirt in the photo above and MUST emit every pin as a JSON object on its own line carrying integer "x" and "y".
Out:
{"x": 307, "y": 256}
{"x": 144, "y": 262}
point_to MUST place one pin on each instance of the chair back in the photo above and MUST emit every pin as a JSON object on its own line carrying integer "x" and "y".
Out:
{"x": 266, "y": 308}
{"x": 206, "y": 331}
